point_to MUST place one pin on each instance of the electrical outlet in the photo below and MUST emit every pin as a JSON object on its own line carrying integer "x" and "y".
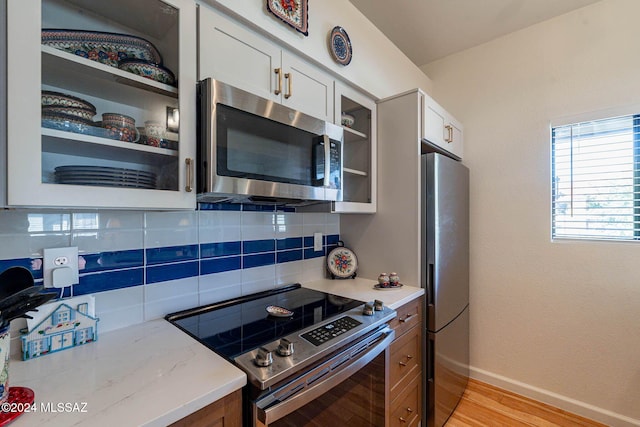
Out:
{"x": 60, "y": 267}
{"x": 317, "y": 242}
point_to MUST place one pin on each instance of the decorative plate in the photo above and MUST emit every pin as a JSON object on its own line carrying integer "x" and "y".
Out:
{"x": 294, "y": 13}
{"x": 276, "y": 311}
{"x": 379, "y": 287}
{"x": 50, "y": 98}
{"x": 342, "y": 262}
{"x": 149, "y": 70}
{"x": 106, "y": 48}
{"x": 340, "y": 46}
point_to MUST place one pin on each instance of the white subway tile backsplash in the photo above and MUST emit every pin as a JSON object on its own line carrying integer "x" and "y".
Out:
{"x": 119, "y": 308}
{"x": 219, "y": 226}
{"x": 107, "y": 231}
{"x": 258, "y": 279}
{"x": 166, "y": 297}
{"x": 25, "y": 233}
{"x": 163, "y": 229}
{"x": 245, "y": 236}
{"x": 258, "y": 225}
{"x": 332, "y": 225}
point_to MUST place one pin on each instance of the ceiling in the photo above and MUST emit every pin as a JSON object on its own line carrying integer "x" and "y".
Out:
{"x": 427, "y": 30}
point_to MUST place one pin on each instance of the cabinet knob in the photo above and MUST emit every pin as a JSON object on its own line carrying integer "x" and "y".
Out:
{"x": 409, "y": 410}
{"x": 278, "y": 72}
{"x": 289, "y": 93}
{"x": 402, "y": 420}
{"x": 402, "y": 363}
{"x": 189, "y": 187}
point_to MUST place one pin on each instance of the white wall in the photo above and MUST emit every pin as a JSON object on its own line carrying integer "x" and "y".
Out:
{"x": 559, "y": 321}
{"x": 377, "y": 67}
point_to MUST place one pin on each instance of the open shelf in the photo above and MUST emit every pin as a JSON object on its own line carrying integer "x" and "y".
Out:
{"x": 61, "y": 142}
{"x": 62, "y": 68}
{"x": 353, "y": 135}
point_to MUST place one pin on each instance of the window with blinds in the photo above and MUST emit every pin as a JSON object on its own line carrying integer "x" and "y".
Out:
{"x": 596, "y": 179}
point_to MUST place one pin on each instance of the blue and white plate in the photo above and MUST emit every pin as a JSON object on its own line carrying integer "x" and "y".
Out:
{"x": 340, "y": 46}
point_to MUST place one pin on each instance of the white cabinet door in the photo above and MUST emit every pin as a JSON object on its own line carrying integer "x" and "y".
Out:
{"x": 230, "y": 53}
{"x": 307, "y": 88}
{"x": 441, "y": 128}
{"x": 359, "y": 177}
{"x": 35, "y": 149}
{"x": 244, "y": 59}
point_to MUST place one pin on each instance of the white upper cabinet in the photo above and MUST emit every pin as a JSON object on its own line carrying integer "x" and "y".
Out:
{"x": 237, "y": 56}
{"x": 77, "y": 48}
{"x": 359, "y": 151}
{"x": 441, "y": 128}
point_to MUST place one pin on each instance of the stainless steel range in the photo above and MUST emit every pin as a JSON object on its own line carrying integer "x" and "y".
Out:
{"x": 322, "y": 355}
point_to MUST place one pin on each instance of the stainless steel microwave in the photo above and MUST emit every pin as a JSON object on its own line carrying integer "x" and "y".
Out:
{"x": 252, "y": 149}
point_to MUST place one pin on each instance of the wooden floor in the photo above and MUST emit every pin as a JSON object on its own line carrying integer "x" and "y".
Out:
{"x": 485, "y": 405}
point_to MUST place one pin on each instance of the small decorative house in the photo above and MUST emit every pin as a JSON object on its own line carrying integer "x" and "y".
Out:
{"x": 64, "y": 328}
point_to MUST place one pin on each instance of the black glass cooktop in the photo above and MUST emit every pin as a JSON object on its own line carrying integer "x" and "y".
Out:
{"x": 236, "y": 326}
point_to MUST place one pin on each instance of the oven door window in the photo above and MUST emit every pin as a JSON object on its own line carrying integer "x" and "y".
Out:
{"x": 358, "y": 401}
{"x": 253, "y": 147}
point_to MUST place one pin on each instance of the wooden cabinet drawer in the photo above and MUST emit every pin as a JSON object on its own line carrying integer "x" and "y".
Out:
{"x": 409, "y": 315}
{"x": 404, "y": 360}
{"x": 405, "y": 410}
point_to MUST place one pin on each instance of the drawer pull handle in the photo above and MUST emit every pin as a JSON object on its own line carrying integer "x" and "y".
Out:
{"x": 402, "y": 420}
{"x": 402, "y": 363}
{"x": 407, "y": 317}
{"x": 409, "y": 357}
{"x": 409, "y": 410}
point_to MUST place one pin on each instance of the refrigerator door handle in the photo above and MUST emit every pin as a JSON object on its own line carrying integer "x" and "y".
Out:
{"x": 430, "y": 359}
{"x": 430, "y": 290}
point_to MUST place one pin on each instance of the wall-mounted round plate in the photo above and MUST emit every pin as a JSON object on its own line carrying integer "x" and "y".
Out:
{"x": 342, "y": 262}
{"x": 340, "y": 46}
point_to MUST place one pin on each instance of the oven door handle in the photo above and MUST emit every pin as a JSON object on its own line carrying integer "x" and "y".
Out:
{"x": 310, "y": 393}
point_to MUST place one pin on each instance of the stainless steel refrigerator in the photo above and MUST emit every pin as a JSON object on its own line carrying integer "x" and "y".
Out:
{"x": 445, "y": 277}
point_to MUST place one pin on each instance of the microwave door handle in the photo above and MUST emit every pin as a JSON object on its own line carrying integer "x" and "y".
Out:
{"x": 327, "y": 160}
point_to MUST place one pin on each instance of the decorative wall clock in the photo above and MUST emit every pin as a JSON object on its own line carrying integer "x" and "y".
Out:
{"x": 294, "y": 12}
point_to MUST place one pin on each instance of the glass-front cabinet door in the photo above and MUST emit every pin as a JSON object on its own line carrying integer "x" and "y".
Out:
{"x": 101, "y": 103}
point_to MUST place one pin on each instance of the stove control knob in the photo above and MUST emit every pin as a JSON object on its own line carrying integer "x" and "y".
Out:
{"x": 368, "y": 309}
{"x": 285, "y": 348}
{"x": 378, "y": 305}
{"x": 264, "y": 357}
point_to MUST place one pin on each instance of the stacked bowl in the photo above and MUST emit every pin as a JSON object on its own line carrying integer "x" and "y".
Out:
{"x": 70, "y": 111}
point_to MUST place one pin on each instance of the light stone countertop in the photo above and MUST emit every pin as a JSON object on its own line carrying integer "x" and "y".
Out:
{"x": 362, "y": 289}
{"x": 150, "y": 374}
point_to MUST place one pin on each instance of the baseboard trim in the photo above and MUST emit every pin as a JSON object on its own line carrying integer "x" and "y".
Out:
{"x": 559, "y": 401}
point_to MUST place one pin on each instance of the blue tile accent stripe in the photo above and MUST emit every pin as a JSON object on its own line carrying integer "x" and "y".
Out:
{"x": 289, "y": 243}
{"x": 172, "y": 254}
{"x": 250, "y": 261}
{"x": 111, "y": 270}
{"x": 218, "y": 265}
{"x": 108, "y": 281}
{"x": 166, "y": 272}
{"x": 113, "y": 260}
{"x": 211, "y": 250}
{"x": 257, "y": 246}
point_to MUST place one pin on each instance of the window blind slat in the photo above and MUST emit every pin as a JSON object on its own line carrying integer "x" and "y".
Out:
{"x": 596, "y": 179}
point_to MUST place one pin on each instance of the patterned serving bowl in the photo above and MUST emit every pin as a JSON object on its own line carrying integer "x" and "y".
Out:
{"x": 149, "y": 70}
{"x": 125, "y": 126}
{"x": 66, "y": 122}
{"x": 83, "y": 113}
{"x": 106, "y": 48}
{"x": 57, "y": 99}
